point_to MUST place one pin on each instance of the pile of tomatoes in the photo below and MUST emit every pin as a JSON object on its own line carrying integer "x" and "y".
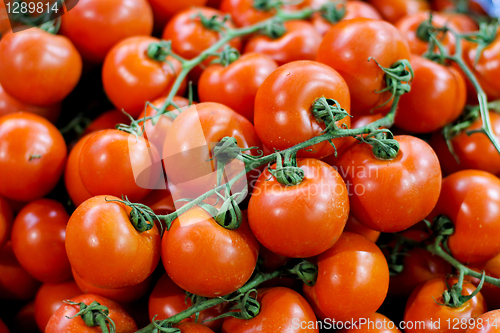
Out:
{"x": 115, "y": 120}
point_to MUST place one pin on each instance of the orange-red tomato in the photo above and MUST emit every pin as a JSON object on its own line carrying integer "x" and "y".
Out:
{"x": 107, "y": 120}
{"x": 355, "y": 226}
{"x": 243, "y": 12}
{"x": 486, "y": 323}
{"x": 6, "y": 219}
{"x": 76, "y": 190}
{"x": 193, "y": 328}
{"x": 393, "y": 10}
{"x": 164, "y": 10}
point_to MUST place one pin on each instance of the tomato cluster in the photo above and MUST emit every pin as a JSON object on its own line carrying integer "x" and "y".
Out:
{"x": 229, "y": 166}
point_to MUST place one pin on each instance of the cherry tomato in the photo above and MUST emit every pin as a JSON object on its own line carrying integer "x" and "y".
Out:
{"x": 445, "y": 95}
{"x": 84, "y": 25}
{"x": 491, "y": 293}
{"x": 236, "y": 85}
{"x": 486, "y": 323}
{"x": 160, "y": 201}
{"x": 206, "y": 259}
{"x": 462, "y": 22}
{"x": 300, "y": 42}
{"x": 76, "y": 190}
{"x": 50, "y": 297}
{"x": 164, "y": 10}
{"x": 105, "y": 249}
{"x": 9, "y": 104}
{"x": 244, "y": 13}
{"x": 193, "y": 328}
{"x": 346, "y": 48}
{"x": 60, "y": 322}
{"x": 107, "y": 120}
{"x": 15, "y": 282}
{"x": 393, "y": 10}
{"x": 415, "y": 172}
{"x": 38, "y": 237}
{"x": 117, "y": 163}
{"x": 357, "y": 227}
{"x": 474, "y": 239}
{"x": 375, "y": 323}
{"x": 423, "y": 307}
{"x": 353, "y": 270}
{"x": 283, "y": 116}
{"x": 131, "y": 78}
{"x": 281, "y": 310}
{"x": 32, "y": 156}
{"x": 167, "y": 299}
{"x": 37, "y": 67}
{"x": 303, "y": 220}
{"x": 6, "y": 219}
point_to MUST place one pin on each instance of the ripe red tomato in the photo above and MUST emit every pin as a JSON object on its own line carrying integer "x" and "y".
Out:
{"x": 283, "y": 116}
{"x": 236, "y": 85}
{"x": 346, "y": 48}
{"x": 160, "y": 201}
{"x": 474, "y": 151}
{"x": 131, "y": 78}
{"x": 6, "y": 219}
{"x": 32, "y": 156}
{"x": 15, "y": 282}
{"x": 300, "y": 42}
{"x": 60, "y": 322}
{"x": 353, "y": 270}
{"x": 244, "y": 13}
{"x": 84, "y": 25}
{"x": 423, "y": 307}
{"x": 369, "y": 179}
{"x": 281, "y": 310}
{"x": 3, "y": 327}
{"x": 167, "y": 299}
{"x": 491, "y": 293}
{"x": 444, "y": 88}
{"x": 164, "y": 10}
{"x": 37, "y": 67}
{"x": 486, "y": 323}
{"x": 474, "y": 239}
{"x": 113, "y": 162}
{"x": 463, "y": 22}
{"x": 393, "y": 10}
{"x": 9, "y": 104}
{"x": 76, "y": 190}
{"x": 206, "y": 259}
{"x": 105, "y": 249}
{"x": 38, "y": 237}
{"x": 107, "y": 120}
{"x": 193, "y": 328}
{"x": 357, "y": 227}
{"x": 375, "y": 323}
{"x": 50, "y": 297}
{"x": 24, "y": 320}
{"x": 303, "y": 220}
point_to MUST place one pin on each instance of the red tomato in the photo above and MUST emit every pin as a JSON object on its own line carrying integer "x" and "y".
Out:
{"x": 281, "y": 310}
{"x": 357, "y": 227}
{"x": 300, "y": 42}
{"x": 193, "y": 328}
{"x": 113, "y": 162}
{"x": 486, "y": 323}
{"x": 37, "y": 67}
{"x": 375, "y": 323}
{"x": 60, "y": 322}
{"x": 206, "y": 259}
{"x": 76, "y": 190}
{"x": 3, "y": 327}
{"x": 50, "y": 297}
{"x": 15, "y": 282}
{"x": 164, "y": 10}
{"x": 369, "y": 178}
{"x": 84, "y": 25}
{"x": 346, "y": 48}
{"x": 445, "y": 94}
{"x": 104, "y": 248}
{"x": 6, "y": 219}
{"x": 160, "y": 201}
{"x": 32, "y": 156}
{"x": 38, "y": 237}
{"x": 244, "y": 13}
{"x": 474, "y": 240}
{"x": 474, "y": 151}
{"x": 131, "y": 78}
{"x": 423, "y": 307}
{"x": 353, "y": 270}
{"x": 491, "y": 293}
{"x": 283, "y": 116}
{"x": 236, "y": 85}
{"x": 9, "y": 104}
{"x": 393, "y": 10}
{"x": 462, "y": 22}
{"x": 271, "y": 261}
{"x": 303, "y": 220}
{"x": 188, "y": 147}
{"x": 107, "y": 120}
{"x": 24, "y": 320}
{"x": 167, "y": 299}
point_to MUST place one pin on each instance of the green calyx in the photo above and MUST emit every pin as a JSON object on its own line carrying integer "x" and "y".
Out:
{"x": 141, "y": 216}
{"x": 306, "y": 271}
{"x": 215, "y": 22}
{"x": 160, "y": 51}
{"x": 484, "y": 37}
{"x": 287, "y": 173}
{"x": 453, "y": 298}
{"x": 227, "y": 56}
{"x": 385, "y": 147}
{"x": 93, "y": 315}
{"x": 274, "y": 29}
{"x": 333, "y": 12}
{"x": 266, "y": 5}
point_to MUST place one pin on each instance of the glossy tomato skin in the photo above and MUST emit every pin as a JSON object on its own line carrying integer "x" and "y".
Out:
{"x": 37, "y": 67}
{"x": 59, "y": 321}
{"x": 72, "y": 180}
{"x": 104, "y": 248}
{"x": 377, "y": 323}
{"x": 486, "y": 323}
{"x": 445, "y": 95}
{"x": 353, "y": 270}
{"x": 474, "y": 239}
{"x": 6, "y": 219}
{"x": 281, "y": 310}
{"x": 243, "y": 12}
{"x": 32, "y": 156}
{"x": 131, "y": 78}
{"x": 422, "y": 306}
{"x": 117, "y": 163}
{"x": 50, "y": 297}
{"x": 490, "y": 292}
{"x": 204, "y": 258}
{"x": 355, "y": 226}
{"x": 3, "y": 327}
{"x": 107, "y": 120}
{"x": 283, "y": 116}
{"x": 303, "y": 220}
{"x": 300, "y": 42}
{"x": 393, "y": 10}
{"x": 193, "y": 328}
{"x": 236, "y": 85}
{"x": 38, "y": 236}
{"x": 346, "y": 48}
{"x": 168, "y": 299}
{"x": 84, "y": 25}
{"x": 164, "y": 10}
